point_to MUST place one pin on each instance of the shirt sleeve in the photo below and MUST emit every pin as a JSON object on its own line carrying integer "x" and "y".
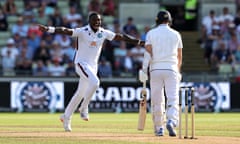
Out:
{"x": 76, "y": 32}
{"x": 110, "y": 35}
{"x": 180, "y": 43}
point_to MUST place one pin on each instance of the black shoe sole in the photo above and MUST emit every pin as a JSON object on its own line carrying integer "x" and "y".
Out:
{"x": 172, "y": 133}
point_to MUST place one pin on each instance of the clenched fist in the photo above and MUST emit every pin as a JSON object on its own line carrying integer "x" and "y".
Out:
{"x": 42, "y": 28}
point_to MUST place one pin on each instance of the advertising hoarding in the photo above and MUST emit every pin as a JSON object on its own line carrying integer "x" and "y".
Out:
{"x": 37, "y": 96}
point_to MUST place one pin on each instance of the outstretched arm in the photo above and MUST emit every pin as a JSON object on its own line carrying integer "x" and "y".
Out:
{"x": 58, "y": 30}
{"x": 129, "y": 39}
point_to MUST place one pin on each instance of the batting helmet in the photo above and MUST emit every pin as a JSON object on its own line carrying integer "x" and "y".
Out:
{"x": 163, "y": 16}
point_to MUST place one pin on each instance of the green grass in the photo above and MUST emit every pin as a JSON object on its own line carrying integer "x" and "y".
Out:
{"x": 105, "y": 128}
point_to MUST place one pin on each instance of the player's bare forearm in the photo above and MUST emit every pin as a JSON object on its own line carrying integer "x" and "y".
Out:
{"x": 179, "y": 67}
{"x": 58, "y": 30}
{"x": 149, "y": 49}
{"x": 129, "y": 39}
{"x": 63, "y": 30}
{"x": 179, "y": 59}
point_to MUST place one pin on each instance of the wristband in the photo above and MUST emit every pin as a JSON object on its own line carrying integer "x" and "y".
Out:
{"x": 51, "y": 29}
{"x": 138, "y": 42}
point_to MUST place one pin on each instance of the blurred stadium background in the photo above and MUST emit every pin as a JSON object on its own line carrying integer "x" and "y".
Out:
{"x": 37, "y": 72}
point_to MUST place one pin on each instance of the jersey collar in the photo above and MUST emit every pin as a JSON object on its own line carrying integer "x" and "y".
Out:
{"x": 163, "y": 25}
{"x": 90, "y": 29}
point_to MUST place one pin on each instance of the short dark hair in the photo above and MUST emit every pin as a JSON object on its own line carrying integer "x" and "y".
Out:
{"x": 163, "y": 16}
{"x": 212, "y": 12}
{"x": 92, "y": 14}
{"x": 130, "y": 18}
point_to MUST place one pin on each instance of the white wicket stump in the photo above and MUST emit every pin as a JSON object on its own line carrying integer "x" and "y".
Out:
{"x": 186, "y": 92}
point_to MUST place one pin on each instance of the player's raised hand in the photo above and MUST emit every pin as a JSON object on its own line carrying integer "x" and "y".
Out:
{"x": 43, "y": 28}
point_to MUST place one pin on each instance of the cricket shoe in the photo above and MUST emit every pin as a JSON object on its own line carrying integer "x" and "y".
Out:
{"x": 160, "y": 132}
{"x": 170, "y": 127}
{"x": 84, "y": 115}
{"x": 66, "y": 123}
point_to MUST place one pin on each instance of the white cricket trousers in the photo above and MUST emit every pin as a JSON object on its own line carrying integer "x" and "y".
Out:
{"x": 160, "y": 79}
{"x": 87, "y": 86}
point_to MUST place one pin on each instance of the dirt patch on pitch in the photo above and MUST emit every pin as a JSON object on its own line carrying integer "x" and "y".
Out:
{"x": 128, "y": 138}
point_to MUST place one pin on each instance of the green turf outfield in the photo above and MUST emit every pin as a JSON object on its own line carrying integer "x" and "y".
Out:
{"x": 111, "y": 128}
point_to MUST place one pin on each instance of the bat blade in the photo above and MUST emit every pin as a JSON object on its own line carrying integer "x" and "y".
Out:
{"x": 142, "y": 110}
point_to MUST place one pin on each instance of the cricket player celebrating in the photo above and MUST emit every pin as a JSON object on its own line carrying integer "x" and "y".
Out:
{"x": 164, "y": 56}
{"x": 90, "y": 39}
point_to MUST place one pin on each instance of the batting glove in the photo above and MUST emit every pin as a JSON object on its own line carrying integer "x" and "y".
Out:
{"x": 142, "y": 76}
{"x": 179, "y": 76}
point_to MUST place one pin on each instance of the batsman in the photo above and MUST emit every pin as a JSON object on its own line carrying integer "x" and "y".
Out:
{"x": 163, "y": 58}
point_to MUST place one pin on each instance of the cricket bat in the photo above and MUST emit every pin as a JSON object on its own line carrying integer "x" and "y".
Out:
{"x": 142, "y": 108}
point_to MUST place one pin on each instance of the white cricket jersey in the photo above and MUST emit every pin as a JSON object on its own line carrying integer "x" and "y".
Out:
{"x": 89, "y": 44}
{"x": 165, "y": 42}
